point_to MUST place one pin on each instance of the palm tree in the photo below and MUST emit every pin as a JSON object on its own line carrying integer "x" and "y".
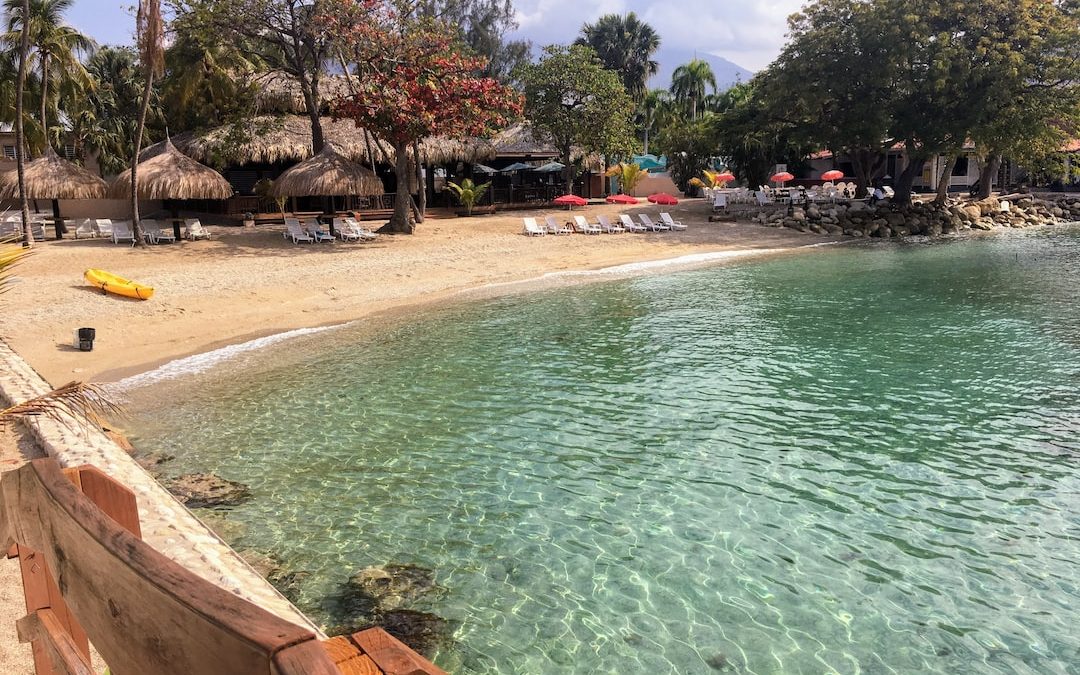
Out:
{"x": 20, "y": 135}
{"x": 688, "y": 84}
{"x": 468, "y": 193}
{"x": 626, "y": 45}
{"x": 149, "y": 33}
{"x": 57, "y": 48}
{"x": 628, "y": 176}
{"x": 650, "y": 111}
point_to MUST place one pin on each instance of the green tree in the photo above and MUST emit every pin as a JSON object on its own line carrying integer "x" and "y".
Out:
{"x": 574, "y": 103}
{"x": 691, "y": 82}
{"x": 56, "y": 50}
{"x": 751, "y": 137}
{"x": 651, "y": 113}
{"x": 688, "y": 145}
{"x": 468, "y": 193}
{"x": 625, "y": 44}
{"x": 483, "y": 26}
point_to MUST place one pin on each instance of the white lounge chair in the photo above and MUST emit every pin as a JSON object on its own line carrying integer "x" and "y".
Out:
{"x": 84, "y": 228}
{"x": 319, "y": 234}
{"x": 154, "y": 234}
{"x": 648, "y": 222}
{"x": 347, "y": 231}
{"x": 103, "y": 227}
{"x": 195, "y": 229}
{"x": 585, "y": 227}
{"x": 630, "y": 226}
{"x": 121, "y": 232}
{"x": 365, "y": 234}
{"x": 555, "y": 227}
{"x": 532, "y": 229}
{"x": 608, "y": 226}
{"x": 296, "y": 233}
{"x": 666, "y": 219}
{"x": 719, "y": 202}
{"x": 761, "y": 197}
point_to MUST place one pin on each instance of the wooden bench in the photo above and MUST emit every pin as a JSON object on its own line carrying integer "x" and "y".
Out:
{"x": 88, "y": 578}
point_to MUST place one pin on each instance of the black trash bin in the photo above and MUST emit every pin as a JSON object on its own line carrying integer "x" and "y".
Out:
{"x": 86, "y": 339}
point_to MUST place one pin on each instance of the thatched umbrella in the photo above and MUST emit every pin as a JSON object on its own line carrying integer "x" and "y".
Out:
{"x": 170, "y": 174}
{"x": 50, "y": 177}
{"x": 328, "y": 174}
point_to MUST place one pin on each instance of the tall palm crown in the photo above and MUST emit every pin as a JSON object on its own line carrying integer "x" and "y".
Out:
{"x": 689, "y": 82}
{"x": 626, "y": 45}
{"x": 56, "y": 49}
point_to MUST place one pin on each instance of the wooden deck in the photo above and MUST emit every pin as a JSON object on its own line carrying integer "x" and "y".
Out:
{"x": 88, "y": 578}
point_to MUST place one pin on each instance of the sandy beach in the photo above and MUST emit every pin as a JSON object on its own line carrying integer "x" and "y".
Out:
{"x": 246, "y": 283}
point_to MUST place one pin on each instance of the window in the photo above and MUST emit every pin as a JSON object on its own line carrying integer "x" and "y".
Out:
{"x": 69, "y": 152}
{"x": 961, "y": 166}
{"x": 9, "y": 152}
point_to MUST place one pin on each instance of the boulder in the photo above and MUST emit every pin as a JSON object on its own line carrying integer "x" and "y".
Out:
{"x": 983, "y": 224}
{"x": 206, "y": 490}
{"x": 895, "y": 219}
{"x": 395, "y": 585}
{"x": 813, "y": 212}
{"x": 972, "y": 213}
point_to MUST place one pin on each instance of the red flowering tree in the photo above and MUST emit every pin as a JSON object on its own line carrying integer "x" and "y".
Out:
{"x": 411, "y": 83}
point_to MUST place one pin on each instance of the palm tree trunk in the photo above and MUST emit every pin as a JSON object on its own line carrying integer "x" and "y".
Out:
{"x": 20, "y": 132}
{"x": 144, "y": 106}
{"x": 646, "y": 140}
{"x": 45, "y": 95}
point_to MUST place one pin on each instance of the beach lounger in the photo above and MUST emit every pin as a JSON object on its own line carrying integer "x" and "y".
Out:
{"x": 630, "y": 226}
{"x": 608, "y": 226}
{"x": 38, "y": 231}
{"x": 84, "y": 228}
{"x": 555, "y": 227}
{"x": 719, "y": 202}
{"x": 195, "y": 229}
{"x": 583, "y": 226}
{"x": 532, "y": 229}
{"x": 666, "y": 219}
{"x": 365, "y": 234}
{"x": 154, "y": 234}
{"x": 122, "y": 232}
{"x": 296, "y": 233}
{"x": 648, "y": 222}
{"x": 9, "y": 229}
{"x": 103, "y": 227}
{"x": 347, "y": 231}
{"x": 319, "y": 234}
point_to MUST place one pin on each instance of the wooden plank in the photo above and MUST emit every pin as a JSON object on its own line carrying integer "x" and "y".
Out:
{"x": 41, "y": 592}
{"x": 391, "y": 655}
{"x": 305, "y": 658}
{"x": 348, "y": 657}
{"x": 44, "y": 628}
{"x": 143, "y": 612}
{"x": 115, "y": 499}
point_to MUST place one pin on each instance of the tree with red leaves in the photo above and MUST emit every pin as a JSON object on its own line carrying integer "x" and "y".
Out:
{"x": 411, "y": 84}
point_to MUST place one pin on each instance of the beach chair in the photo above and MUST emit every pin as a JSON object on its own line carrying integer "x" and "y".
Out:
{"x": 84, "y": 228}
{"x": 154, "y": 234}
{"x": 648, "y": 222}
{"x": 761, "y": 197}
{"x": 296, "y": 233}
{"x": 317, "y": 233}
{"x": 555, "y": 227}
{"x": 608, "y": 226}
{"x": 666, "y": 219}
{"x": 629, "y": 225}
{"x": 719, "y": 202}
{"x": 532, "y": 229}
{"x": 583, "y": 226}
{"x": 195, "y": 229}
{"x": 103, "y": 227}
{"x": 347, "y": 231}
{"x": 365, "y": 234}
{"x": 38, "y": 231}
{"x": 9, "y": 229}
{"x": 121, "y": 232}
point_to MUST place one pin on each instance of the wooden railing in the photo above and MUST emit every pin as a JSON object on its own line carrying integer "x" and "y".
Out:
{"x": 88, "y": 578}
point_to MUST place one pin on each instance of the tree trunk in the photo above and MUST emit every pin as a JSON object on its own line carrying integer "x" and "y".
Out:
{"x": 987, "y": 175}
{"x": 905, "y": 180}
{"x": 402, "y": 221}
{"x": 866, "y": 164}
{"x": 311, "y": 100}
{"x": 646, "y": 149}
{"x": 20, "y": 132}
{"x": 944, "y": 179}
{"x": 45, "y": 96}
{"x": 421, "y": 185}
{"x": 568, "y": 171}
{"x": 144, "y": 106}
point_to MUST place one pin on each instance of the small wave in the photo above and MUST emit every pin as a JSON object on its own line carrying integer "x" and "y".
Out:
{"x": 198, "y": 363}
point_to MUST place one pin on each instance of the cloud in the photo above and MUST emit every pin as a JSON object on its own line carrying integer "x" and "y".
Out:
{"x": 559, "y": 21}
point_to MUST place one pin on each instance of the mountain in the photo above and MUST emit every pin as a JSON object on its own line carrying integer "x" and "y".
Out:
{"x": 727, "y": 72}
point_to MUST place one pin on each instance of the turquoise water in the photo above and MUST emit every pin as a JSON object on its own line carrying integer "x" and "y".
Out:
{"x": 862, "y": 460}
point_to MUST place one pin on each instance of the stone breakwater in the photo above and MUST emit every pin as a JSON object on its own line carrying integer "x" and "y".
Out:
{"x": 923, "y": 218}
{"x": 166, "y": 524}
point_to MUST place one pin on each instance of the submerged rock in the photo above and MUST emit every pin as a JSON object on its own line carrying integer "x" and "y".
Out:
{"x": 396, "y": 585}
{"x": 205, "y": 490}
{"x": 288, "y": 583}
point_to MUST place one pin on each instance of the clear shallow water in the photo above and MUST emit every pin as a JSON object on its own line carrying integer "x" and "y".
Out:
{"x": 859, "y": 460}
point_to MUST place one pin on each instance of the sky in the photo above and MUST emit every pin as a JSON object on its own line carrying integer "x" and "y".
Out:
{"x": 747, "y": 32}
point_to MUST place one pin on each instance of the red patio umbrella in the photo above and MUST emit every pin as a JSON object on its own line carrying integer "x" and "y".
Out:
{"x": 781, "y": 177}
{"x": 726, "y": 177}
{"x": 832, "y": 175}
{"x": 621, "y": 199}
{"x": 569, "y": 201}
{"x": 663, "y": 199}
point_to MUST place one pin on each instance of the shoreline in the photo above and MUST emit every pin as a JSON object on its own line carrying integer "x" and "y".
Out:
{"x": 245, "y": 286}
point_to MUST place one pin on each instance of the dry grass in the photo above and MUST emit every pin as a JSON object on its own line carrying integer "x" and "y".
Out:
{"x": 326, "y": 174}
{"x": 50, "y": 177}
{"x": 170, "y": 174}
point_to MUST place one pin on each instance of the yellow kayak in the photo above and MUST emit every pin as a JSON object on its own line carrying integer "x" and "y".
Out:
{"x": 111, "y": 283}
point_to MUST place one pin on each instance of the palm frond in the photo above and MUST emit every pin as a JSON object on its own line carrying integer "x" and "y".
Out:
{"x": 85, "y": 402}
{"x": 10, "y": 255}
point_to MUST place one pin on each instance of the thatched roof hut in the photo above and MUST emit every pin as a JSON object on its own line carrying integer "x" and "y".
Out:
{"x": 50, "y": 177}
{"x": 328, "y": 174}
{"x": 521, "y": 141}
{"x": 280, "y": 139}
{"x": 169, "y": 174}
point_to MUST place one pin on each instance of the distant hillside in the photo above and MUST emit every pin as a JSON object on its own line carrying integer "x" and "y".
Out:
{"x": 727, "y": 72}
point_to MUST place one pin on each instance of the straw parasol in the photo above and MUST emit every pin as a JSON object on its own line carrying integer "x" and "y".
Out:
{"x": 170, "y": 174}
{"x": 328, "y": 174}
{"x": 50, "y": 177}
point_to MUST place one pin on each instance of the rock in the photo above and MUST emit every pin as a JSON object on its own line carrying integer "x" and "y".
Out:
{"x": 798, "y": 214}
{"x": 834, "y": 229}
{"x": 813, "y": 212}
{"x": 983, "y": 224}
{"x": 152, "y": 461}
{"x": 895, "y": 219}
{"x": 988, "y": 205}
{"x": 265, "y": 565}
{"x": 972, "y": 213}
{"x": 205, "y": 490}
{"x": 719, "y": 661}
{"x": 289, "y": 583}
{"x": 396, "y": 585}
{"x": 424, "y": 632}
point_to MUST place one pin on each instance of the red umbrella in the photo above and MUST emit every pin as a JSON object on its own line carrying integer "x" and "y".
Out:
{"x": 621, "y": 199}
{"x": 726, "y": 177}
{"x": 781, "y": 177}
{"x": 569, "y": 201}
{"x": 663, "y": 199}
{"x": 832, "y": 175}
